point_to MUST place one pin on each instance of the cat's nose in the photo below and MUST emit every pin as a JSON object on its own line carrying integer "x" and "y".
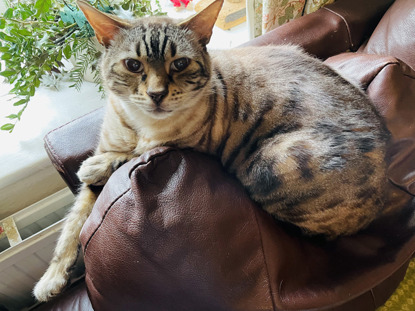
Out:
{"x": 157, "y": 97}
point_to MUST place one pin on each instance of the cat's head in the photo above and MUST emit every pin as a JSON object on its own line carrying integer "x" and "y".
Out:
{"x": 155, "y": 64}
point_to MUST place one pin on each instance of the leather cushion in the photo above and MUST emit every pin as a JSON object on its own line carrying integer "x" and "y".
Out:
{"x": 394, "y": 35}
{"x": 70, "y": 144}
{"x": 390, "y": 84}
{"x": 331, "y": 30}
{"x": 172, "y": 231}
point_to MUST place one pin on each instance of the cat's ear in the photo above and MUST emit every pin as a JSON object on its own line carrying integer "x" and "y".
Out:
{"x": 105, "y": 25}
{"x": 202, "y": 23}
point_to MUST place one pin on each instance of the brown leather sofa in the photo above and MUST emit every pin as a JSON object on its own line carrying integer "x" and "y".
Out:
{"x": 172, "y": 230}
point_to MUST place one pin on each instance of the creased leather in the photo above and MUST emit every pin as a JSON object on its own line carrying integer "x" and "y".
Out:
{"x": 331, "y": 30}
{"x": 70, "y": 144}
{"x": 187, "y": 229}
{"x": 394, "y": 35}
{"x": 189, "y": 239}
{"x": 390, "y": 84}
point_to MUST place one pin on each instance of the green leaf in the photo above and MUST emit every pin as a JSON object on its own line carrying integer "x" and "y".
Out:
{"x": 5, "y": 37}
{"x": 43, "y": 6}
{"x": 13, "y": 116}
{"x": 2, "y": 23}
{"x": 6, "y": 56}
{"x": 19, "y": 114}
{"x": 4, "y": 49}
{"x": 26, "y": 13}
{"x": 36, "y": 82}
{"x": 7, "y": 73}
{"x": 21, "y": 102}
{"x": 32, "y": 90}
{"x": 8, "y": 13}
{"x": 59, "y": 56}
{"x": 46, "y": 67}
{"x": 7, "y": 127}
{"x": 24, "y": 32}
{"x": 67, "y": 51}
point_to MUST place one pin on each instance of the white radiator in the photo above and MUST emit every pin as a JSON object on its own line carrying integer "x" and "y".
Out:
{"x": 27, "y": 240}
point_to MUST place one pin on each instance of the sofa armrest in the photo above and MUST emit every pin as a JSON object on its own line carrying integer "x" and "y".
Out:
{"x": 336, "y": 28}
{"x": 69, "y": 145}
{"x": 171, "y": 230}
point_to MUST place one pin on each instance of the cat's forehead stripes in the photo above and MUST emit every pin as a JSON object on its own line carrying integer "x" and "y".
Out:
{"x": 154, "y": 40}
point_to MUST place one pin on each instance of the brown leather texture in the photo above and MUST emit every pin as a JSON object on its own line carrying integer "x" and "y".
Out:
{"x": 332, "y": 30}
{"x": 192, "y": 240}
{"x": 69, "y": 145}
{"x": 360, "y": 22}
{"x": 394, "y": 35}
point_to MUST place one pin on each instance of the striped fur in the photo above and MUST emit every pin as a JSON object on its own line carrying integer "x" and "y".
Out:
{"x": 296, "y": 134}
{"x": 307, "y": 145}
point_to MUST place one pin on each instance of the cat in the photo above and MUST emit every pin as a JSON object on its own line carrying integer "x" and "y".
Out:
{"x": 307, "y": 144}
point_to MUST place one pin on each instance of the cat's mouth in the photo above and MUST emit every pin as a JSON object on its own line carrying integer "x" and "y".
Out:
{"x": 159, "y": 111}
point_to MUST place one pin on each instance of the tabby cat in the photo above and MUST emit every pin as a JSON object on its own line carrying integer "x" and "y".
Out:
{"x": 307, "y": 144}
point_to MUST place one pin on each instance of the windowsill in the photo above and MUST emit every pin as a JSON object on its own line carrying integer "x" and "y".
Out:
{"x": 26, "y": 173}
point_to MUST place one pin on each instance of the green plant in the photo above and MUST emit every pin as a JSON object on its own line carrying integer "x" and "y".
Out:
{"x": 37, "y": 36}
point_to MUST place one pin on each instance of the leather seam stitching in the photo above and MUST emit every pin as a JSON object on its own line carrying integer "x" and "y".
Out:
{"x": 265, "y": 262}
{"x": 349, "y": 34}
{"x": 103, "y": 218}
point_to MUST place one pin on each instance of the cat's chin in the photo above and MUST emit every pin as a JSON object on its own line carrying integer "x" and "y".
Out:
{"x": 159, "y": 113}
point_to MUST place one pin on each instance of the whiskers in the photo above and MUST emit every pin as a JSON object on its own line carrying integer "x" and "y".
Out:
{"x": 139, "y": 101}
{"x": 139, "y": 98}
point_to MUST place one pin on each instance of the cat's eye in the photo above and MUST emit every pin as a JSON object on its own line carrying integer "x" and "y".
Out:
{"x": 133, "y": 65}
{"x": 180, "y": 64}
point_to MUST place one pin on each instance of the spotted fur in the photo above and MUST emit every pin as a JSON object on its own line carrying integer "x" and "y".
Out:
{"x": 307, "y": 145}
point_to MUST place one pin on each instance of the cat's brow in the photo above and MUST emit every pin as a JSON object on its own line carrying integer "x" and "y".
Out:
{"x": 146, "y": 45}
{"x": 138, "y": 49}
{"x": 155, "y": 43}
{"x": 163, "y": 47}
{"x": 155, "y": 39}
{"x": 173, "y": 49}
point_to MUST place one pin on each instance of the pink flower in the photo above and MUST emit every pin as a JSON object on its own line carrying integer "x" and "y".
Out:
{"x": 185, "y": 2}
{"x": 178, "y": 3}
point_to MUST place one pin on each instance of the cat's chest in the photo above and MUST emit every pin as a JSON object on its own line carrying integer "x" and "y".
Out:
{"x": 161, "y": 133}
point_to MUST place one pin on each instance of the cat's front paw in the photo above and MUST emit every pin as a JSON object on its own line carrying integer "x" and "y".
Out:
{"x": 51, "y": 284}
{"x": 97, "y": 170}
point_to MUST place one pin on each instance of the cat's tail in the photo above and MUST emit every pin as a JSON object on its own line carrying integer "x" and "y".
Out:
{"x": 66, "y": 251}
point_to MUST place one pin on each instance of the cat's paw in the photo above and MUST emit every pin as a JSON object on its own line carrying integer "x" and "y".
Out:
{"x": 97, "y": 170}
{"x": 51, "y": 284}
